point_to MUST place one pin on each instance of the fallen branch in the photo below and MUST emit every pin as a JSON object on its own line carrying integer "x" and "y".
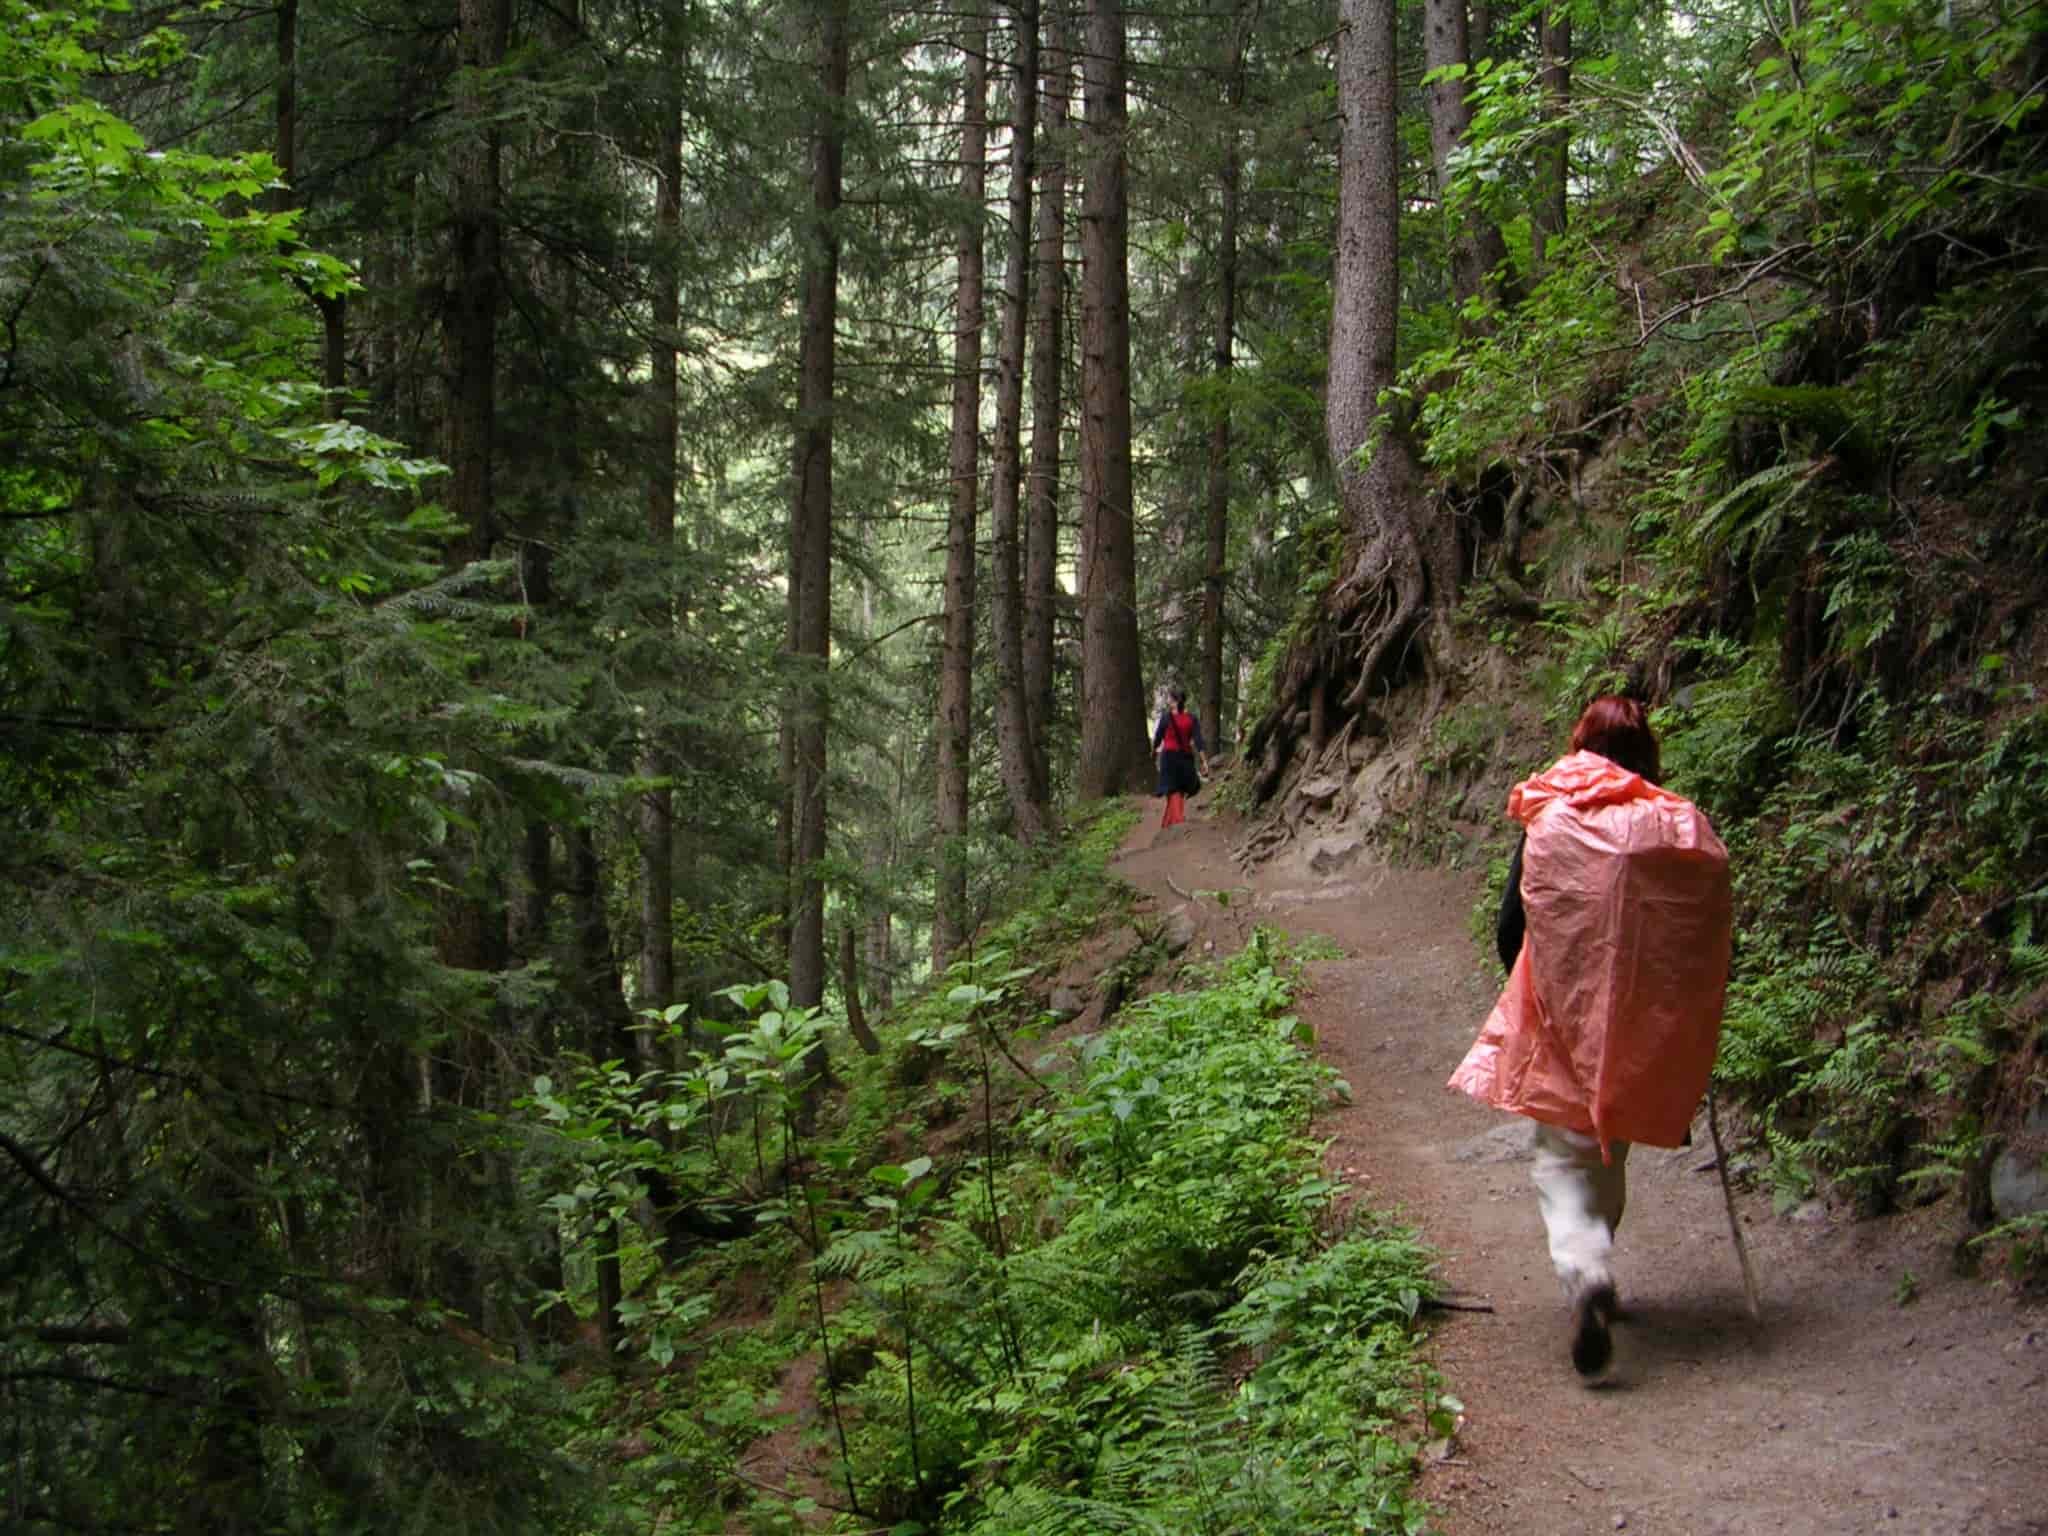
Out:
{"x": 1753, "y": 276}
{"x": 1448, "y": 1304}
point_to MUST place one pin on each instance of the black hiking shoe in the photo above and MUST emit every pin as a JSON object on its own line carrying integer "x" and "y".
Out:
{"x": 1592, "y": 1345}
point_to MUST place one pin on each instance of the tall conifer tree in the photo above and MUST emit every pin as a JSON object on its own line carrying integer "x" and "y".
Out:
{"x": 1113, "y": 741}
{"x": 956, "y": 667}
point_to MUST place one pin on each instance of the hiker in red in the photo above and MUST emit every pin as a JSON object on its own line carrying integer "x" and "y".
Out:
{"x": 1615, "y": 929}
{"x": 1177, "y": 741}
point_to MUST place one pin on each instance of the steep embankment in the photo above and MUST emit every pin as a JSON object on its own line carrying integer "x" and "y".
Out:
{"x": 1879, "y": 1392}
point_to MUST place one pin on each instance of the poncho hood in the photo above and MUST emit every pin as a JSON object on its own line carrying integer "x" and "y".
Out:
{"x": 1582, "y": 780}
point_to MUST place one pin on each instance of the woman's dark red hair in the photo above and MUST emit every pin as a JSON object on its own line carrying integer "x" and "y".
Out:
{"x": 1619, "y": 730}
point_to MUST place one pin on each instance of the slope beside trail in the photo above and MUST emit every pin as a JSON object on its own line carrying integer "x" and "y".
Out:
{"x": 1879, "y": 1392}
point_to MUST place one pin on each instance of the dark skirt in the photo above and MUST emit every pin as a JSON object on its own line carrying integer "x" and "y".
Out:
{"x": 1177, "y": 774}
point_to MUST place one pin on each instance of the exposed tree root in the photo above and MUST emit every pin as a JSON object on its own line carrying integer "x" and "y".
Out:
{"x": 1408, "y": 596}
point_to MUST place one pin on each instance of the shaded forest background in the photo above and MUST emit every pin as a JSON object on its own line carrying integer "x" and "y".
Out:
{"x": 559, "y": 563}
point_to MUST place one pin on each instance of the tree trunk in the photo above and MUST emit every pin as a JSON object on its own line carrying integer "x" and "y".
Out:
{"x": 1218, "y": 511}
{"x": 526, "y": 923}
{"x": 811, "y": 524}
{"x": 881, "y": 923}
{"x": 1176, "y": 607}
{"x": 1048, "y": 359}
{"x": 657, "y": 970}
{"x": 471, "y": 923}
{"x": 1017, "y": 752}
{"x": 1401, "y": 551}
{"x": 956, "y": 668}
{"x": 1114, "y": 755}
{"x": 473, "y": 306}
{"x": 1553, "y": 151}
{"x": 849, "y": 987}
{"x": 594, "y": 983}
{"x": 1477, "y": 249}
{"x": 287, "y": 100}
{"x": 333, "y": 308}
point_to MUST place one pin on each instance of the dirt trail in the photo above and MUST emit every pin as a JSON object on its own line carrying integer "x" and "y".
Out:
{"x": 1844, "y": 1410}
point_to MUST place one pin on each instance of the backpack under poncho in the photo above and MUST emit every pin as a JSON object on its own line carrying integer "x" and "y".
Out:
{"x": 1612, "y": 1013}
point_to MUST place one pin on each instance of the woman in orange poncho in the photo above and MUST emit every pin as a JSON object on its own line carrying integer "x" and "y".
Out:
{"x": 1615, "y": 930}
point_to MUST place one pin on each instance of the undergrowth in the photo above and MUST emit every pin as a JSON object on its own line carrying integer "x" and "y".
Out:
{"x": 1139, "y": 1320}
{"x": 1114, "y": 1296}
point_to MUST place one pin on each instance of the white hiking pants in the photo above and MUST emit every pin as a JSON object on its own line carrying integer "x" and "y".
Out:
{"x": 1581, "y": 1198}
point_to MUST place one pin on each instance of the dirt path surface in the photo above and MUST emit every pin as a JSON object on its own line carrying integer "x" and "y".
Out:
{"x": 1844, "y": 1410}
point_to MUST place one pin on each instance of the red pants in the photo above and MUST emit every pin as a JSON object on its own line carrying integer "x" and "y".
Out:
{"x": 1176, "y": 810}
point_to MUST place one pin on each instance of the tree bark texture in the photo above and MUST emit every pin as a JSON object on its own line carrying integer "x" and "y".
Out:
{"x": 1048, "y": 362}
{"x": 1477, "y": 249}
{"x": 657, "y": 970}
{"x": 472, "y": 917}
{"x": 880, "y": 923}
{"x": 1017, "y": 751}
{"x": 1217, "y": 524}
{"x": 1114, "y": 753}
{"x": 1398, "y": 549}
{"x": 333, "y": 308}
{"x": 956, "y": 667}
{"x": 594, "y": 983}
{"x": 849, "y": 988}
{"x": 473, "y": 306}
{"x": 287, "y": 98}
{"x": 811, "y": 522}
{"x": 1553, "y": 153}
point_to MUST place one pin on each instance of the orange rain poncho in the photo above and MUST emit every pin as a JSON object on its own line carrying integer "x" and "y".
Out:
{"x": 1611, "y": 1015}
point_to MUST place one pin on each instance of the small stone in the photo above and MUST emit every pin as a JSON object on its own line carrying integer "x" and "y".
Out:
{"x": 1891, "y": 1512}
{"x": 1621, "y": 1522}
{"x": 1328, "y": 855}
{"x": 1178, "y": 932}
{"x": 2019, "y": 1183}
{"x": 1316, "y": 791}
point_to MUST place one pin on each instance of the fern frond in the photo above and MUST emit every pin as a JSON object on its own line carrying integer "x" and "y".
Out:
{"x": 1042, "y": 1512}
{"x": 1736, "y": 520}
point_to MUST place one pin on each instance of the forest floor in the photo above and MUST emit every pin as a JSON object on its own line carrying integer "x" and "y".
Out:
{"x": 1880, "y": 1391}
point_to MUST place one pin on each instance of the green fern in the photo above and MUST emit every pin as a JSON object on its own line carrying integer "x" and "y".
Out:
{"x": 1032, "y": 1511}
{"x": 2027, "y": 1240}
{"x": 1752, "y": 515}
{"x": 1863, "y": 596}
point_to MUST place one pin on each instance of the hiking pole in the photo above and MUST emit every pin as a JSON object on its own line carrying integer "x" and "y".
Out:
{"x": 1728, "y": 1199}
